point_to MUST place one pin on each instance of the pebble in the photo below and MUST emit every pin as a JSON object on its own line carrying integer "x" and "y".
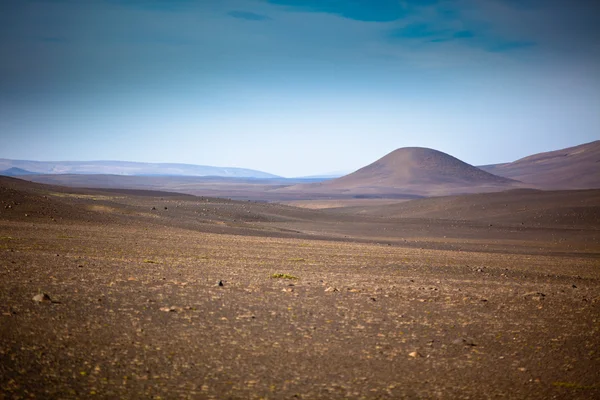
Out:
{"x": 42, "y": 298}
{"x": 464, "y": 341}
{"x": 535, "y": 295}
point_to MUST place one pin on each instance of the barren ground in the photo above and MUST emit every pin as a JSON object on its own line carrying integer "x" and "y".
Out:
{"x": 380, "y": 307}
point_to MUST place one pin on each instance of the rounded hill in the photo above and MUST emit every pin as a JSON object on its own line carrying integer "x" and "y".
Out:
{"x": 418, "y": 165}
{"x": 416, "y": 171}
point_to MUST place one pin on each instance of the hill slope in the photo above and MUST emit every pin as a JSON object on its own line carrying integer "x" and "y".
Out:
{"x": 571, "y": 168}
{"x": 15, "y": 172}
{"x": 565, "y": 208}
{"x": 129, "y": 168}
{"x": 414, "y": 171}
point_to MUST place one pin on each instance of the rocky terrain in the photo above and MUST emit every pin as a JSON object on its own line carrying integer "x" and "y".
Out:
{"x": 135, "y": 294}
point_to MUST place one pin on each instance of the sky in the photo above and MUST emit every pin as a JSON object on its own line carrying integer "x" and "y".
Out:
{"x": 296, "y": 87}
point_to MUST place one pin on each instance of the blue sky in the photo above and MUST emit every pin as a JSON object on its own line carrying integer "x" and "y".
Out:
{"x": 296, "y": 87}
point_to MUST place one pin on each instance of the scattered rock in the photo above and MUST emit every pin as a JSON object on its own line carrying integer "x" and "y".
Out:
{"x": 331, "y": 289}
{"x": 534, "y": 296}
{"x": 415, "y": 354}
{"x": 42, "y": 298}
{"x": 220, "y": 283}
{"x": 168, "y": 309}
{"x": 464, "y": 342}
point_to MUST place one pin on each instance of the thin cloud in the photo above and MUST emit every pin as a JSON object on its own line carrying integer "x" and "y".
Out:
{"x": 359, "y": 10}
{"x": 249, "y": 16}
{"x": 466, "y": 34}
{"x": 155, "y": 5}
{"x": 510, "y": 46}
{"x": 465, "y": 27}
{"x": 420, "y": 31}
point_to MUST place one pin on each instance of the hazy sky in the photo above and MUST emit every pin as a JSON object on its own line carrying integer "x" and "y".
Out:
{"x": 296, "y": 87}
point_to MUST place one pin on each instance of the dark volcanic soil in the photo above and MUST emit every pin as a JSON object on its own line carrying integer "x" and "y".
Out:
{"x": 381, "y": 307}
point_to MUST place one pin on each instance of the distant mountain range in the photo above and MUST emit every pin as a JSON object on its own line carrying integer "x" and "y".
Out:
{"x": 14, "y": 171}
{"x": 404, "y": 173}
{"x": 24, "y": 167}
{"x": 428, "y": 172}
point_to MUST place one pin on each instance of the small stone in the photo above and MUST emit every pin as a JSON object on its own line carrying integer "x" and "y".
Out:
{"x": 464, "y": 341}
{"x": 415, "y": 354}
{"x": 220, "y": 283}
{"x": 535, "y": 296}
{"x": 42, "y": 298}
{"x": 331, "y": 289}
{"x": 168, "y": 309}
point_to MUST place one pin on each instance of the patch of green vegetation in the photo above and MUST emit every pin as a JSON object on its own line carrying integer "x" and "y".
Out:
{"x": 297, "y": 259}
{"x": 283, "y": 276}
{"x": 84, "y": 196}
{"x": 151, "y": 262}
{"x": 571, "y": 385}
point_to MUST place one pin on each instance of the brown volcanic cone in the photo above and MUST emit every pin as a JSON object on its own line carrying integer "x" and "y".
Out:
{"x": 571, "y": 168}
{"x": 416, "y": 171}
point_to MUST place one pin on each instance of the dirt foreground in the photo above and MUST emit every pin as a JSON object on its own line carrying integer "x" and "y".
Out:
{"x": 152, "y": 310}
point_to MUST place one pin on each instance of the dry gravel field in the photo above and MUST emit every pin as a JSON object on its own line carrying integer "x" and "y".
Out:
{"x": 164, "y": 296}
